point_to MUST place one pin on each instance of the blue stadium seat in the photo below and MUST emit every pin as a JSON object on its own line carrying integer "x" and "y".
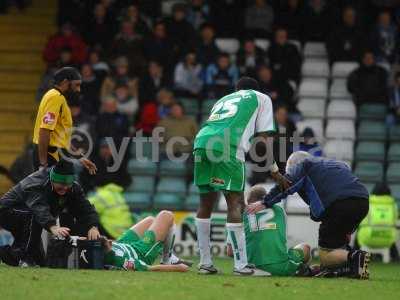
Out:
{"x": 193, "y": 189}
{"x": 142, "y": 167}
{"x": 191, "y": 105}
{"x": 370, "y": 151}
{"x": 372, "y": 131}
{"x": 207, "y": 106}
{"x": 138, "y": 200}
{"x": 394, "y": 152}
{"x": 173, "y": 168}
{"x": 395, "y": 189}
{"x": 172, "y": 185}
{"x": 369, "y": 171}
{"x": 393, "y": 173}
{"x": 192, "y": 202}
{"x": 394, "y": 133}
{"x": 142, "y": 184}
{"x": 372, "y": 111}
{"x": 145, "y": 151}
{"x": 168, "y": 201}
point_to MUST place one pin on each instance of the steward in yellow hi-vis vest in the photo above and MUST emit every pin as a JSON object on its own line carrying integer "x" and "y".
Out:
{"x": 53, "y": 126}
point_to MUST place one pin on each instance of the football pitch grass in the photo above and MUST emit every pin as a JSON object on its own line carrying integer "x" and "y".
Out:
{"x": 54, "y": 284}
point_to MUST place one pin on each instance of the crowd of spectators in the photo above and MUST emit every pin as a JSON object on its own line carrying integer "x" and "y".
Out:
{"x": 136, "y": 63}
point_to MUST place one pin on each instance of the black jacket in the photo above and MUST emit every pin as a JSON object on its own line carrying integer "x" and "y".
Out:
{"x": 35, "y": 194}
{"x": 368, "y": 84}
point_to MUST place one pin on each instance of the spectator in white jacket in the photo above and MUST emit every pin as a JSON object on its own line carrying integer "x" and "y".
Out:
{"x": 187, "y": 78}
{"x": 126, "y": 104}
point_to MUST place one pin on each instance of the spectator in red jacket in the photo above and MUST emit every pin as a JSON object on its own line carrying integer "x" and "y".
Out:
{"x": 66, "y": 38}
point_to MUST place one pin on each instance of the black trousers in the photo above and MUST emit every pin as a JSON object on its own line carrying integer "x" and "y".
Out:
{"x": 26, "y": 231}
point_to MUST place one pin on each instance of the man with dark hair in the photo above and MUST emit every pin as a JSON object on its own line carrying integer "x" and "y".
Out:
{"x": 368, "y": 83}
{"x": 219, "y": 151}
{"x": 35, "y": 203}
{"x": 53, "y": 126}
{"x": 220, "y": 77}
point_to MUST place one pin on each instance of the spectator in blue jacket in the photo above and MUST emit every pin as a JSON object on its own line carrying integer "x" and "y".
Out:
{"x": 309, "y": 143}
{"x": 221, "y": 77}
{"x": 337, "y": 199}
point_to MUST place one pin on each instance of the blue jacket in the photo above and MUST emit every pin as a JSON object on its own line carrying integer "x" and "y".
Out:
{"x": 319, "y": 182}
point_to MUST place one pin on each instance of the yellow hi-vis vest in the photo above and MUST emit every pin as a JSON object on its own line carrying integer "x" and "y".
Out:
{"x": 378, "y": 229}
{"x": 113, "y": 211}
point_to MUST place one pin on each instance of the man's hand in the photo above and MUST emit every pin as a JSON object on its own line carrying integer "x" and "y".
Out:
{"x": 89, "y": 165}
{"x": 281, "y": 180}
{"x": 93, "y": 234}
{"x": 255, "y": 207}
{"x": 60, "y": 231}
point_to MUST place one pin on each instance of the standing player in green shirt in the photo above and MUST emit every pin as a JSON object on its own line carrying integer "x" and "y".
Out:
{"x": 139, "y": 247}
{"x": 266, "y": 241}
{"x": 219, "y": 154}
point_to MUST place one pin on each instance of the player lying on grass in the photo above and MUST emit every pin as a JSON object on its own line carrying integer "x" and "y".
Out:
{"x": 266, "y": 247}
{"x": 139, "y": 247}
{"x": 337, "y": 199}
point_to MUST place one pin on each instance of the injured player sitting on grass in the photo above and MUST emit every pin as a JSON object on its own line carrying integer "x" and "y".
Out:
{"x": 266, "y": 242}
{"x": 139, "y": 247}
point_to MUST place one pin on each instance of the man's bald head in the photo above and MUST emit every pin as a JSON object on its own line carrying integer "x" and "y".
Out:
{"x": 256, "y": 193}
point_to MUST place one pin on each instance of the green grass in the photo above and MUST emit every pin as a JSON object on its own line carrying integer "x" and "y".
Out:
{"x": 73, "y": 285}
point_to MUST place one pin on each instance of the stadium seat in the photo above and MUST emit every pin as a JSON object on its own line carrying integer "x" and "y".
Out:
{"x": 395, "y": 189}
{"x": 142, "y": 150}
{"x": 340, "y": 129}
{"x": 394, "y": 133}
{"x": 312, "y": 108}
{"x": 338, "y": 90}
{"x": 315, "y": 124}
{"x": 339, "y": 149}
{"x": 296, "y": 43}
{"x": 262, "y": 44}
{"x": 193, "y": 189}
{"x": 342, "y": 69}
{"x": 369, "y": 171}
{"x": 393, "y": 173}
{"x": 230, "y": 46}
{"x": 314, "y": 49}
{"x": 372, "y": 130}
{"x": 166, "y": 6}
{"x": 142, "y": 184}
{"x": 369, "y": 186}
{"x": 142, "y": 167}
{"x": 207, "y": 106}
{"x": 168, "y": 201}
{"x": 372, "y": 111}
{"x": 315, "y": 68}
{"x": 190, "y": 105}
{"x": 394, "y": 152}
{"x": 314, "y": 88}
{"x": 341, "y": 109}
{"x": 137, "y": 200}
{"x": 171, "y": 185}
{"x": 370, "y": 151}
{"x": 173, "y": 168}
{"x": 192, "y": 202}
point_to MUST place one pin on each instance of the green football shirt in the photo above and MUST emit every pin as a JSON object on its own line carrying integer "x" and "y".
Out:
{"x": 234, "y": 120}
{"x": 124, "y": 256}
{"x": 266, "y": 236}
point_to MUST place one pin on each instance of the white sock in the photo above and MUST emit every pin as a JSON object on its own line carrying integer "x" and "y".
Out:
{"x": 203, "y": 228}
{"x": 168, "y": 246}
{"x": 237, "y": 239}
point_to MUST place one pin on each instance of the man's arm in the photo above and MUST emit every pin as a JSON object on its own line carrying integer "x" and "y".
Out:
{"x": 169, "y": 268}
{"x": 43, "y": 145}
{"x": 40, "y": 210}
{"x": 84, "y": 211}
{"x": 296, "y": 175}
